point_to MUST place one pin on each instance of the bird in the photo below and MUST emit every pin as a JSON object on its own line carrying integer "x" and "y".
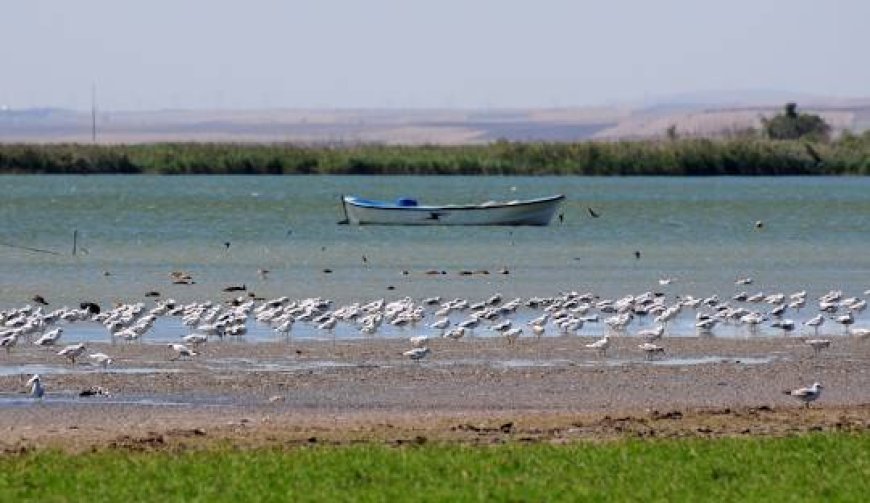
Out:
{"x": 9, "y": 341}
{"x": 181, "y": 351}
{"x": 860, "y": 333}
{"x": 419, "y": 341}
{"x": 592, "y": 213}
{"x": 807, "y": 395}
{"x": 37, "y": 390}
{"x": 845, "y": 320}
{"x": 39, "y": 299}
{"x": 512, "y": 335}
{"x": 417, "y": 354}
{"x": 818, "y": 344}
{"x": 195, "y": 339}
{"x": 72, "y": 351}
{"x": 101, "y": 359}
{"x": 650, "y": 349}
{"x": 455, "y": 334}
{"x": 601, "y": 345}
{"x": 652, "y": 334}
{"x": 815, "y": 322}
{"x": 49, "y": 338}
{"x": 440, "y": 324}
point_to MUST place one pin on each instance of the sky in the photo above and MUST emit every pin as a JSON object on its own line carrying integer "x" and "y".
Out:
{"x": 226, "y": 54}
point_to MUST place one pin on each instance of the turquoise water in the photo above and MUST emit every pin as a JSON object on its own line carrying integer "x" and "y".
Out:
{"x": 134, "y": 231}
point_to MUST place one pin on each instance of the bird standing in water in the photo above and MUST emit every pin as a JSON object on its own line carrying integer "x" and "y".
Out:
{"x": 37, "y": 390}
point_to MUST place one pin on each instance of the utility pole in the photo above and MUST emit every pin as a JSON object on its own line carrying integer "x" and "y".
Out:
{"x": 94, "y": 113}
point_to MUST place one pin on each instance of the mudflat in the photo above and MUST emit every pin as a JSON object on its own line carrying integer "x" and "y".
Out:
{"x": 479, "y": 390}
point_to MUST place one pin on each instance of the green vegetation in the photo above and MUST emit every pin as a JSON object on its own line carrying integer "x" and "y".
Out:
{"x": 849, "y": 154}
{"x": 790, "y": 125}
{"x": 818, "y": 467}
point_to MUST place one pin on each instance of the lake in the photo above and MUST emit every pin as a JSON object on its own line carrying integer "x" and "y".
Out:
{"x": 133, "y": 231}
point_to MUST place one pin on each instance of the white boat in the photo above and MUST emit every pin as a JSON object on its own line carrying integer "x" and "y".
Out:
{"x": 361, "y": 211}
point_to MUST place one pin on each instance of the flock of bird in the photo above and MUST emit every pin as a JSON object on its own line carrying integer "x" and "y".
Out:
{"x": 562, "y": 315}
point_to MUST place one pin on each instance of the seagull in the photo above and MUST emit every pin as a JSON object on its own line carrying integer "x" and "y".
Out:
{"x": 845, "y": 320}
{"x": 818, "y": 344}
{"x": 181, "y": 351}
{"x": 49, "y": 338}
{"x": 652, "y": 334}
{"x": 601, "y": 344}
{"x": 806, "y": 395}
{"x": 455, "y": 334}
{"x": 101, "y": 359}
{"x": 513, "y": 334}
{"x": 650, "y": 349}
{"x": 815, "y": 322}
{"x": 37, "y": 390}
{"x": 195, "y": 339}
{"x": 419, "y": 341}
{"x": 861, "y": 333}
{"x": 440, "y": 324}
{"x": 417, "y": 354}
{"x": 743, "y": 281}
{"x": 9, "y": 341}
{"x": 72, "y": 351}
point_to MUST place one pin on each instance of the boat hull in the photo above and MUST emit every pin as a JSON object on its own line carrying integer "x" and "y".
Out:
{"x": 529, "y": 212}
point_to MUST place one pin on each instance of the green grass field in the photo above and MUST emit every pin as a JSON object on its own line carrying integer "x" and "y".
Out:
{"x": 818, "y": 467}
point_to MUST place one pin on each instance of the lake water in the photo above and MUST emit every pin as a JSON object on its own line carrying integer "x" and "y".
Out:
{"x": 134, "y": 230}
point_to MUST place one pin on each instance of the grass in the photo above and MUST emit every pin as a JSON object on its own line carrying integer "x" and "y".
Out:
{"x": 849, "y": 154}
{"x": 817, "y": 467}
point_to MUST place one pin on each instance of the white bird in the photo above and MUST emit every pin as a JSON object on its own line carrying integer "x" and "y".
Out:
{"x": 861, "y": 333}
{"x": 666, "y": 281}
{"x": 513, "y": 334}
{"x": 650, "y": 349}
{"x": 601, "y": 344}
{"x": 785, "y": 325}
{"x": 652, "y": 334}
{"x": 818, "y": 344}
{"x": 806, "y": 395}
{"x": 37, "y": 390}
{"x": 49, "y": 338}
{"x": 72, "y": 351}
{"x": 815, "y": 322}
{"x": 419, "y": 341}
{"x": 101, "y": 359}
{"x": 181, "y": 351}
{"x": 455, "y": 334}
{"x": 195, "y": 339}
{"x": 9, "y": 341}
{"x": 440, "y": 324}
{"x": 845, "y": 320}
{"x": 417, "y": 354}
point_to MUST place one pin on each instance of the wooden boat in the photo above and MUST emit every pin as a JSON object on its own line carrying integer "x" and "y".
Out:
{"x": 361, "y": 211}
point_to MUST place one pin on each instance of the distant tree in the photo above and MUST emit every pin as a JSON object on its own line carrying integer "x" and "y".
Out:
{"x": 790, "y": 125}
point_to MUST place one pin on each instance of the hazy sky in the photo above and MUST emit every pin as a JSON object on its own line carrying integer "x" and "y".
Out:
{"x": 159, "y": 54}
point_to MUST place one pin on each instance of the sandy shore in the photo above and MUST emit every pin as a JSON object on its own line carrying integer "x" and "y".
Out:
{"x": 468, "y": 391}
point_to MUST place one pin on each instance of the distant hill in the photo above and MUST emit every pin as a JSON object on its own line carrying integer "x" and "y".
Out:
{"x": 696, "y": 114}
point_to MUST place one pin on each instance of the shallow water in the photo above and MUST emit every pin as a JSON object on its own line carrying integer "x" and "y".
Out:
{"x": 133, "y": 231}
{"x": 698, "y": 230}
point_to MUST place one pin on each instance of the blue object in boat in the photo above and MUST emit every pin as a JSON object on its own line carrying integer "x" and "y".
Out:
{"x": 406, "y": 202}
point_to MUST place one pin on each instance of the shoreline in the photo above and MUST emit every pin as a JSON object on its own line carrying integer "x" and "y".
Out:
{"x": 552, "y": 390}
